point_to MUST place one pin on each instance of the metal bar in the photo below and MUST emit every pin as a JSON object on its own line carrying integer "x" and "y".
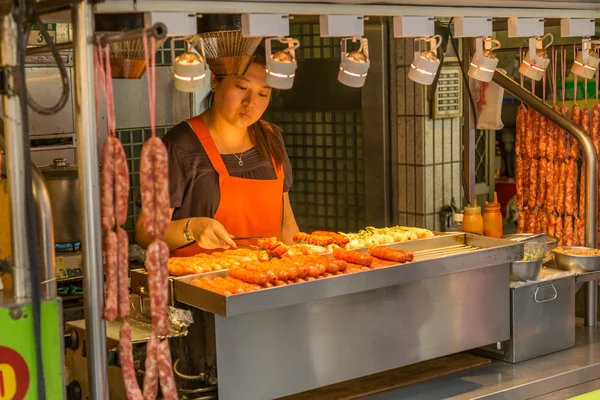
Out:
{"x": 53, "y": 6}
{"x": 45, "y": 232}
{"x": 464, "y": 8}
{"x": 158, "y": 30}
{"x": 591, "y": 176}
{"x": 469, "y": 131}
{"x": 89, "y": 193}
{"x": 15, "y": 167}
{"x": 46, "y": 49}
{"x": 556, "y": 46}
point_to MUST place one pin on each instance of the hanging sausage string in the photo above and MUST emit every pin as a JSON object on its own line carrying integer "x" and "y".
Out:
{"x": 550, "y": 171}
{"x": 155, "y": 212}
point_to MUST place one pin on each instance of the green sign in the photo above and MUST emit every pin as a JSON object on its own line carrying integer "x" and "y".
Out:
{"x": 18, "y": 372}
{"x": 35, "y": 35}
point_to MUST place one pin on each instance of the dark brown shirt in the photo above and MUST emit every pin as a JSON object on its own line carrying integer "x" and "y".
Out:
{"x": 194, "y": 183}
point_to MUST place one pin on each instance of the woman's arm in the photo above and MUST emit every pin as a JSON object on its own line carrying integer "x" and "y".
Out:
{"x": 290, "y": 227}
{"x": 209, "y": 233}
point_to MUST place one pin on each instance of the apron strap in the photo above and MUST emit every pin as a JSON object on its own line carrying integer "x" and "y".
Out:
{"x": 201, "y": 131}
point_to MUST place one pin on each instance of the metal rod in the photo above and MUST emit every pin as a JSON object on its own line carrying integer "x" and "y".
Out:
{"x": 556, "y": 46}
{"x": 89, "y": 194}
{"x": 158, "y": 30}
{"x": 46, "y": 49}
{"x": 45, "y": 232}
{"x": 591, "y": 176}
{"x": 15, "y": 167}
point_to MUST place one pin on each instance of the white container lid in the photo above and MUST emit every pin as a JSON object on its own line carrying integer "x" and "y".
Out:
{"x": 458, "y": 217}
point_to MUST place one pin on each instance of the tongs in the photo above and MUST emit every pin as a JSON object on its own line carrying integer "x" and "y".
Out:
{"x": 247, "y": 246}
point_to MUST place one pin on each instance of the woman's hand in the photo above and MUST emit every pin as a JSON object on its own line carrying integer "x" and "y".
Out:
{"x": 210, "y": 234}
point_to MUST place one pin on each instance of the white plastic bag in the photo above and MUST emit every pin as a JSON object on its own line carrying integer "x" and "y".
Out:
{"x": 488, "y": 100}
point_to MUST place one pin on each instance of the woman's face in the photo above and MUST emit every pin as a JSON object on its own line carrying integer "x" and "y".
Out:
{"x": 242, "y": 100}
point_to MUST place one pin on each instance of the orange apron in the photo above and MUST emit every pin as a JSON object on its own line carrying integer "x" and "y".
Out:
{"x": 247, "y": 207}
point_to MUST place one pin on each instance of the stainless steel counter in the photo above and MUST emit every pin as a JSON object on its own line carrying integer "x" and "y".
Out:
{"x": 500, "y": 380}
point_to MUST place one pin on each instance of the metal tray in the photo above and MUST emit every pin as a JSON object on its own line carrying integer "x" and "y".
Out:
{"x": 434, "y": 257}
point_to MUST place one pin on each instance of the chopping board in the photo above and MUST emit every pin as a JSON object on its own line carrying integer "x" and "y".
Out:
{"x": 394, "y": 378}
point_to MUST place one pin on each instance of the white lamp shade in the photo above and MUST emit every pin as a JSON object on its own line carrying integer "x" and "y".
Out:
{"x": 423, "y": 70}
{"x": 482, "y": 68}
{"x": 353, "y": 73}
{"x": 280, "y": 75}
{"x": 587, "y": 69}
{"x": 189, "y": 73}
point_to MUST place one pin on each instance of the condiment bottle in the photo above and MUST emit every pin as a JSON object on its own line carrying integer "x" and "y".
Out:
{"x": 492, "y": 218}
{"x": 472, "y": 220}
{"x": 457, "y": 225}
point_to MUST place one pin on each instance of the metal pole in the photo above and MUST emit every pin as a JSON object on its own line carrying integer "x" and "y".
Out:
{"x": 15, "y": 166}
{"x": 591, "y": 176}
{"x": 469, "y": 131}
{"x": 89, "y": 193}
{"x": 158, "y": 30}
{"x": 46, "y": 49}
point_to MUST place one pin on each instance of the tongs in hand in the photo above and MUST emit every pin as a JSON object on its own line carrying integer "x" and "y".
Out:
{"x": 247, "y": 246}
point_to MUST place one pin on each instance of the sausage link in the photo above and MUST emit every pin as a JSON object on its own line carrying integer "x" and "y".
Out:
{"x": 338, "y": 239}
{"x": 519, "y": 183}
{"x": 529, "y": 133}
{"x": 123, "y": 272}
{"x": 121, "y": 184}
{"x": 552, "y": 224}
{"x": 596, "y": 128}
{"x": 112, "y": 277}
{"x": 165, "y": 372}
{"x": 161, "y": 186}
{"x": 526, "y": 175}
{"x": 154, "y": 186}
{"x": 107, "y": 196}
{"x": 576, "y": 117}
{"x": 541, "y": 195}
{"x": 520, "y": 134}
{"x": 151, "y": 368}
{"x": 315, "y": 240}
{"x": 385, "y": 253}
{"x": 579, "y": 232}
{"x": 536, "y": 134}
{"x": 542, "y": 138}
{"x": 155, "y": 264}
{"x": 132, "y": 388}
{"x": 562, "y": 186}
{"x": 542, "y": 222}
{"x": 521, "y": 221}
{"x": 568, "y": 231}
{"x": 353, "y": 257}
{"x": 533, "y": 176}
{"x": 563, "y": 139}
{"x": 570, "y": 201}
{"x": 586, "y": 120}
{"x": 531, "y": 222}
{"x": 551, "y": 146}
{"x": 558, "y": 229}
{"x": 550, "y": 190}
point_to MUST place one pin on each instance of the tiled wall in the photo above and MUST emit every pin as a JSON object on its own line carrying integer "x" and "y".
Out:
{"x": 429, "y": 151}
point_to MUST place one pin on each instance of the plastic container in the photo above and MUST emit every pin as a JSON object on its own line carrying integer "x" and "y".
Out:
{"x": 472, "y": 220}
{"x": 457, "y": 226}
{"x": 492, "y": 218}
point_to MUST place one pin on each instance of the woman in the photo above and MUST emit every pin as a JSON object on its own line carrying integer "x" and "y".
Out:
{"x": 229, "y": 173}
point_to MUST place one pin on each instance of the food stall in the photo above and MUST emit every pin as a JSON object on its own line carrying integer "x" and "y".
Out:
{"x": 261, "y": 323}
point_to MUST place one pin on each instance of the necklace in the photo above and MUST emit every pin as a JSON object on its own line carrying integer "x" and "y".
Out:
{"x": 240, "y": 162}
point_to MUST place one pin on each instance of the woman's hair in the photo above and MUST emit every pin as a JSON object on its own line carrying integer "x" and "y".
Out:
{"x": 262, "y": 134}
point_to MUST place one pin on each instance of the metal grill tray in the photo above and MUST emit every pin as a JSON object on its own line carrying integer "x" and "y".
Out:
{"x": 434, "y": 257}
